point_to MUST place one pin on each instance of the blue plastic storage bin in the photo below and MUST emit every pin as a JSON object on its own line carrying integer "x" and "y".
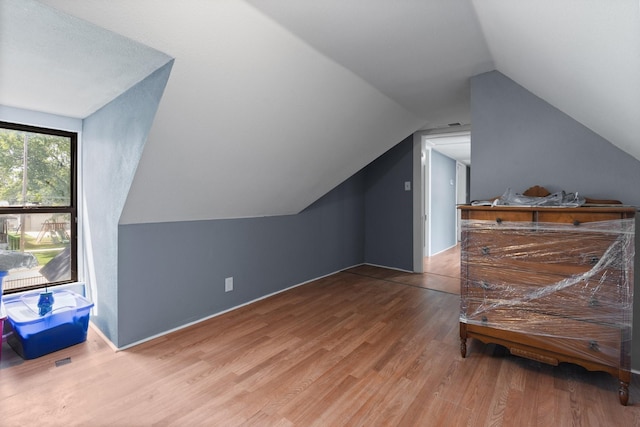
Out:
{"x": 3, "y": 273}
{"x": 34, "y": 335}
{"x": 3, "y": 317}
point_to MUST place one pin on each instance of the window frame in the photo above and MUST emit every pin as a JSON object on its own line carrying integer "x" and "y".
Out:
{"x": 72, "y": 209}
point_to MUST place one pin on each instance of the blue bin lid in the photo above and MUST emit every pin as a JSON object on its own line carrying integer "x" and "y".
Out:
{"x": 23, "y": 309}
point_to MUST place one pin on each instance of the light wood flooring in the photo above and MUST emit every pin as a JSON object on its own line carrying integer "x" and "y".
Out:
{"x": 345, "y": 350}
{"x": 441, "y": 272}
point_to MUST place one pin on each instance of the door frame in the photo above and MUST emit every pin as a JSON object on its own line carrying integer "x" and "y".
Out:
{"x": 421, "y": 191}
{"x": 419, "y": 213}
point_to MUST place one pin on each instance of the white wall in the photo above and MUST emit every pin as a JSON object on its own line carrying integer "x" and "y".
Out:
{"x": 34, "y": 118}
{"x": 253, "y": 122}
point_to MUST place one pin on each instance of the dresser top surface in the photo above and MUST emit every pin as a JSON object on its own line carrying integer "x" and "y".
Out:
{"x": 584, "y": 208}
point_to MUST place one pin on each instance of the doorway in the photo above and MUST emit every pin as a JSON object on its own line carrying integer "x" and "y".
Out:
{"x": 441, "y": 166}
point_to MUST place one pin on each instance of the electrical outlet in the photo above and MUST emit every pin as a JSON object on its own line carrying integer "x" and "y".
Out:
{"x": 407, "y": 186}
{"x": 228, "y": 284}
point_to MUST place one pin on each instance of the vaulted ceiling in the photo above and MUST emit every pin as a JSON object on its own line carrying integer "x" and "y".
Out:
{"x": 271, "y": 103}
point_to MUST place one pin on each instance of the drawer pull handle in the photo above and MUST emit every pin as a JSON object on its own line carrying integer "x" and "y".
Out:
{"x": 485, "y": 286}
{"x": 576, "y": 222}
{"x": 499, "y": 220}
{"x": 484, "y": 319}
{"x": 593, "y": 345}
{"x": 594, "y": 260}
{"x": 485, "y": 250}
{"x": 593, "y": 302}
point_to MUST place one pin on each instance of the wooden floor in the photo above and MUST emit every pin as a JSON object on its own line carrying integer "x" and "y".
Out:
{"x": 348, "y": 349}
{"x": 441, "y": 272}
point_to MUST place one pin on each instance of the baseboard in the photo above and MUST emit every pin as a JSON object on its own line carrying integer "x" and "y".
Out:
{"x": 387, "y": 267}
{"x": 195, "y": 322}
{"x": 97, "y": 330}
{"x": 444, "y": 250}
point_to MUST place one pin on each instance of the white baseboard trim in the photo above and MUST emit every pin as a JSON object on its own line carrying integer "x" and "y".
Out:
{"x": 444, "y": 250}
{"x": 387, "y": 267}
{"x": 195, "y": 322}
{"x": 102, "y": 335}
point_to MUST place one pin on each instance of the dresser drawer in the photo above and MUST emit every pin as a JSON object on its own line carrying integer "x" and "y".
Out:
{"x": 576, "y": 218}
{"x": 603, "y": 297}
{"x": 499, "y": 216}
{"x": 543, "y": 246}
{"x": 584, "y": 340}
{"x": 605, "y": 285}
{"x": 519, "y": 273}
{"x": 603, "y": 313}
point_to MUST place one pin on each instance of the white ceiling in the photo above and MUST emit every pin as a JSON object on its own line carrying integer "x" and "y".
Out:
{"x": 55, "y": 63}
{"x": 419, "y": 53}
{"x": 456, "y": 146}
{"x": 275, "y": 102}
{"x": 581, "y": 56}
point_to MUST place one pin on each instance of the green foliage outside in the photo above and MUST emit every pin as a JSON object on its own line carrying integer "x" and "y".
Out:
{"x": 46, "y": 182}
{"x": 48, "y": 170}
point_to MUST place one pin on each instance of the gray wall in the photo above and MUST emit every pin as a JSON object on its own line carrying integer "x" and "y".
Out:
{"x": 112, "y": 142}
{"x": 171, "y": 274}
{"x": 443, "y": 202}
{"x": 518, "y": 140}
{"x": 389, "y": 208}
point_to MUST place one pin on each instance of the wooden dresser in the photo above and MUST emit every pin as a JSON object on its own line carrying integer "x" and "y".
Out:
{"x": 550, "y": 284}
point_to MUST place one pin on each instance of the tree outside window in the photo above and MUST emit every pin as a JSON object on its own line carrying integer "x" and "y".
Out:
{"x": 37, "y": 206}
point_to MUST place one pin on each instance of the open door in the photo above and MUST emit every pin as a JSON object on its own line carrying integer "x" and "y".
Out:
{"x": 435, "y": 216}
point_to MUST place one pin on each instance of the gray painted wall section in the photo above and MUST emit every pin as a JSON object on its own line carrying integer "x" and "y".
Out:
{"x": 389, "y": 208}
{"x": 443, "y": 202}
{"x": 171, "y": 274}
{"x": 518, "y": 140}
{"x": 113, "y": 140}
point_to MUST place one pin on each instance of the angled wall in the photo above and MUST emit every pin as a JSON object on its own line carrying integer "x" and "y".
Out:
{"x": 112, "y": 143}
{"x": 245, "y": 95}
{"x": 171, "y": 274}
{"x": 519, "y": 140}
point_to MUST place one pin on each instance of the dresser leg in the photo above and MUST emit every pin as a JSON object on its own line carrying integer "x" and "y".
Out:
{"x": 463, "y": 339}
{"x": 623, "y": 392}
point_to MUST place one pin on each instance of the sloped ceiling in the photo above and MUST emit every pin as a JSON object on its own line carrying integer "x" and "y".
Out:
{"x": 52, "y": 62}
{"x": 271, "y": 103}
{"x": 419, "y": 53}
{"x": 581, "y": 56}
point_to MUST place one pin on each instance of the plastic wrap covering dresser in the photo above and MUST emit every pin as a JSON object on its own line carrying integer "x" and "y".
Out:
{"x": 550, "y": 284}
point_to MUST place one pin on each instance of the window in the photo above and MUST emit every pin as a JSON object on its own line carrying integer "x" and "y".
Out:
{"x": 38, "y": 212}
